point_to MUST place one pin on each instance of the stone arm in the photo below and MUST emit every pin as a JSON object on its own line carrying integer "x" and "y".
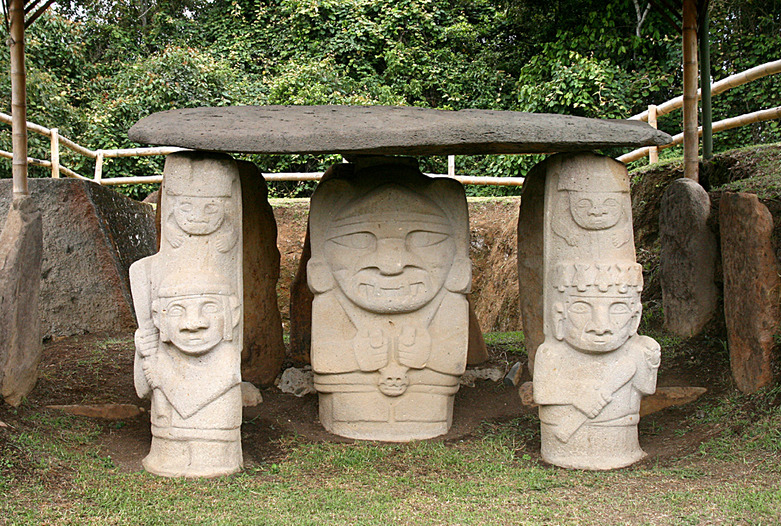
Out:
{"x": 147, "y": 336}
{"x": 449, "y": 340}
{"x": 647, "y": 353}
{"x": 227, "y": 236}
{"x": 336, "y": 343}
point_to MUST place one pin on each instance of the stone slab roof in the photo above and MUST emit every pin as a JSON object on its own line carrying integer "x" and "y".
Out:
{"x": 385, "y": 130}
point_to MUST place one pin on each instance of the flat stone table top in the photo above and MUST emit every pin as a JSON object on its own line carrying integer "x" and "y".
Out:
{"x": 385, "y": 130}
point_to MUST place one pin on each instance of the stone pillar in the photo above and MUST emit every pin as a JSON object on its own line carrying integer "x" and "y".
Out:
{"x": 264, "y": 348}
{"x": 751, "y": 288}
{"x": 390, "y": 272}
{"x": 530, "y": 227}
{"x": 21, "y": 255}
{"x": 688, "y": 259}
{"x": 592, "y": 368}
{"x": 188, "y": 302}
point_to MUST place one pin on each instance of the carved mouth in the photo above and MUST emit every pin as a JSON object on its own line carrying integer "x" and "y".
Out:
{"x": 412, "y": 290}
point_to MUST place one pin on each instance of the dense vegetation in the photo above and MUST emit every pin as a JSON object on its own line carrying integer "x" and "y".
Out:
{"x": 96, "y": 67}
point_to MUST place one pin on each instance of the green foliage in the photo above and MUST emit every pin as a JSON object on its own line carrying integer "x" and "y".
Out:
{"x": 96, "y": 67}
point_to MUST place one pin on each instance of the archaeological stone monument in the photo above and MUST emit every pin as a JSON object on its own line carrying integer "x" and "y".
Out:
{"x": 390, "y": 271}
{"x": 188, "y": 302}
{"x": 592, "y": 368}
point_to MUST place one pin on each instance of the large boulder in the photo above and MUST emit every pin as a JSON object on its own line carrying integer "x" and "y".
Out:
{"x": 21, "y": 246}
{"x": 91, "y": 235}
{"x": 688, "y": 258}
{"x": 751, "y": 288}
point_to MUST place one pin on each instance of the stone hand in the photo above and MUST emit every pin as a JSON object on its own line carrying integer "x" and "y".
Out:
{"x": 149, "y": 366}
{"x": 592, "y": 405}
{"x": 414, "y": 347}
{"x": 652, "y": 353}
{"x": 371, "y": 349}
{"x": 225, "y": 242}
{"x": 146, "y": 341}
{"x": 176, "y": 239}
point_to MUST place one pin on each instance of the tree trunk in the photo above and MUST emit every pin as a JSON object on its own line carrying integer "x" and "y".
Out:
{"x": 18, "y": 98}
{"x": 690, "y": 131}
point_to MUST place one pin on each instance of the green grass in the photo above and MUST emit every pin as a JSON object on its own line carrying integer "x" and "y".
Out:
{"x": 492, "y": 478}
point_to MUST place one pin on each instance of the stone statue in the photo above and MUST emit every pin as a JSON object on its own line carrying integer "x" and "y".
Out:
{"x": 592, "y": 368}
{"x": 389, "y": 271}
{"x": 189, "y": 312}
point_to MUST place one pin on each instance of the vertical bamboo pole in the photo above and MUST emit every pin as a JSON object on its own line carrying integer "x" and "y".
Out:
{"x": 653, "y": 152}
{"x": 707, "y": 107}
{"x": 18, "y": 98}
{"x": 99, "y": 167}
{"x": 690, "y": 131}
{"x": 55, "y": 155}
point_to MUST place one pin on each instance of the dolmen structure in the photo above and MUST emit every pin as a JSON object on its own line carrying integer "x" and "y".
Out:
{"x": 389, "y": 271}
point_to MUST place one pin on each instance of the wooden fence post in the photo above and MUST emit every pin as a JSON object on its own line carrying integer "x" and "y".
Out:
{"x": 18, "y": 98}
{"x": 99, "y": 167}
{"x": 691, "y": 140}
{"x": 451, "y": 165}
{"x": 55, "y": 155}
{"x": 653, "y": 152}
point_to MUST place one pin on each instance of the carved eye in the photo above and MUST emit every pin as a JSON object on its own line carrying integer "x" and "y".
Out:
{"x": 620, "y": 308}
{"x": 176, "y": 310}
{"x": 424, "y": 238}
{"x": 356, "y": 240}
{"x": 611, "y": 203}
{"x": 186, "y": 207}
{"x": 584, "y": 204}
{"x": 211, "y": 208}
{"x": 211, "y": 308}
{"x": 580, "y": 307}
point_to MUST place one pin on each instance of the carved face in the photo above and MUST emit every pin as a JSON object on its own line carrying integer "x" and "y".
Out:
{"x": 194, "y": 324}
{"x": 596, "y": 210}
{"x": 597, "y": 324}
{"x": 199, "y": 216}
{"x": 388, "y": 263}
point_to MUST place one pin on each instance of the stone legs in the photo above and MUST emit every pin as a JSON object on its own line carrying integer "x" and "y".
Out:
{"x": 592, "y": 368}
{"x": 188, "y": 302}
{"x": 389, "y": 270}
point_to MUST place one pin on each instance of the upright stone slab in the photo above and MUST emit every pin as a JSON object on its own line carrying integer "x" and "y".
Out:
{"x": 593, "y": 368}
{"x": 390, "y": 270}
{"x": 264, "y": 349}
{"x": 688, "y": 259}
{"x": 751, "y": 288}
{"x": 530, "y": 258}
{"x": 188, "y": 302}
{"x": 21, "y": 250}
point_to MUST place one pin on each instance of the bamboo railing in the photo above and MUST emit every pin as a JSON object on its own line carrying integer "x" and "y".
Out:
{"x": 653, "y": 112}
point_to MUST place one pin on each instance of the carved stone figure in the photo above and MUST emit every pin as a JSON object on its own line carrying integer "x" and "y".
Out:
{"x": 389, "y": 270}
{"x": 593, "y": 368}
{"x": 188, "y": 306}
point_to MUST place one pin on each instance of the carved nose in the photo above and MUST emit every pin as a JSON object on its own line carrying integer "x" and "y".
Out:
{"x": 391, "y": 256}
{"x": 194, "y": 322}
{"x": 600, "y": 323}
{"x": 596, "y": 211}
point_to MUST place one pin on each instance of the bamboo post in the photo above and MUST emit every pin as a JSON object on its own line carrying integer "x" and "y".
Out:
{"x": 690, "y": 139}
{"x": 653, "y": 153}
{"x": 55, "y": 155}
{"x": 99, "y": 167}
{"x": 451, "y": 165}
{"x": 18, "y": 98}
{"x": 707, "y": 108}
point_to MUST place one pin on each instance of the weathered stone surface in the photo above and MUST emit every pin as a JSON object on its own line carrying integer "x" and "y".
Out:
{"x": 299, "y": 382}
{"x": 250, "y": 395}
{"x": 103, "y": 411}
{"x": 530, "y": 256}
{"x": 688, "y": 258}
{"x": 665, "y": 397}
{"x": 264, "y": 349}
{"x": 91, "y": 235}
{"x": 751, "y": 288}
{"x": 301, "y": 300}
{"x": 473, "y": 374}
{"x": 385, "y": 130}
{"x": 188, "y": 304}
{"x": 526, "y": 393}
{"x": 390, "y": 271}
{"x": 592, "y": 368}
{"x": 21, "y": 252}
